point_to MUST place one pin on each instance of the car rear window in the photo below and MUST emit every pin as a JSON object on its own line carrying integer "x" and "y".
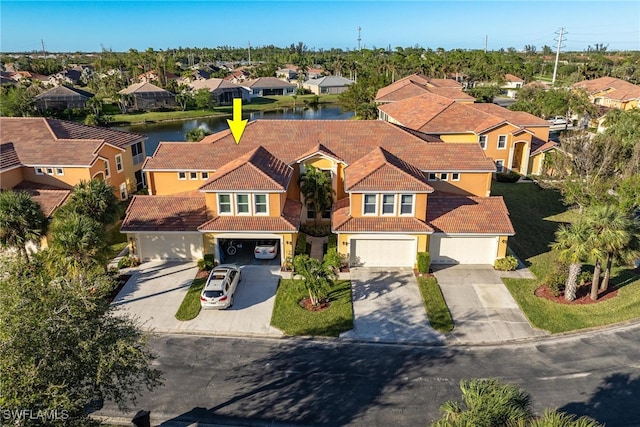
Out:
{"x": 212, "y": 294}
{"x": 217, "y": 276}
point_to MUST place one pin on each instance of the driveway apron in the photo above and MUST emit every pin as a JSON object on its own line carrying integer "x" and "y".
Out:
{"x": 482, "y": 308}
{"x": 387, "y": 307}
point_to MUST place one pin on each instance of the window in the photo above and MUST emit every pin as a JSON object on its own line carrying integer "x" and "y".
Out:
{"x": 50, "y": 170}
{"x": 193, "y": 175}
{"x": 136, "y": 152}
{"x": 39, "y": 171}
{"x": 182, "y": 176}
{"x": 406, "y": 204}
{"x": 502, "y": 142}
{"x": 123, "y": 191}
{"x": 444, "y": 176}
{"x": 455, "y": 176}
{"x": 260, "y": 204}
{"x": 60, "y": 171}
{"x": 311, "y": 213}
{"x": 224, "y": 204}
{"x": 482, "y": 139}
{"x": 388, "y": 204}
{"x": 204, "y": 175}
{"x": 500, "y": 165}
{"x": 433, "y": 176}
{"x": 107, "y": 172}
{"x": 370, "y": 202}
{"x": 119, "y": 166}
{"x": 242, "y": 204}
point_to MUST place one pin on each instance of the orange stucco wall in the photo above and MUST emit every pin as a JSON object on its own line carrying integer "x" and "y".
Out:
{"x": 460, "y": 137}
{"x": 421, "y": 206}
{"x": 166, "y": 183}
{"x": 11, "y": 178}
{"x": 477, "y": 184}
{"x": 71, "y": 177}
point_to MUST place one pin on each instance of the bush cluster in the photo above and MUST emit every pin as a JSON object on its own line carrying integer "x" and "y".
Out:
{"x": 508, "y": 263}
{"x": 301, "y": 244}
{"x": 128, "y": 261}
{"x": 510, "y": 177}
{"x": 206, "y": 263}
{"x": 316, "y": 230}
{"x": 424, "y": 261}
{"x": 556, "y": 278}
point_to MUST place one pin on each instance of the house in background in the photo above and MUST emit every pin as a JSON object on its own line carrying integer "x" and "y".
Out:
{"x": 153, "y": 76}
{"x": 49, "y": 156}
{"x": 222, "y": 91}
{"x": 328, "y": 85}
{"x": 61, "y": 98}
{"x": 417, "y": 84}
{"x": 512, "y": 85}
{"x": 396, "y": 194}
{"x": 610, "y": 92}
{"x": 268, "y": 86}
{"x": 147, "y": 96}
{"x": 505, "y": 136}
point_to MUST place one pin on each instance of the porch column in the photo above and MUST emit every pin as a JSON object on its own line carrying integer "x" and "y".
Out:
{"x": 526, "y": 152}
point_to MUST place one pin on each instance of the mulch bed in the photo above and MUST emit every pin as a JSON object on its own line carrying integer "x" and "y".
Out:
{"x": 582, "y": 295}
{"x": 122, "y": 280}
{"x": 307, "y": 305}
{"x": 202, "y": 274}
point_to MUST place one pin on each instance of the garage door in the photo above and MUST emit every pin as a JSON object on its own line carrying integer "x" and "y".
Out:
{"x": 383, "y": 252}
{"x": 463, "y": 250}
{"x": 171, "y": 247}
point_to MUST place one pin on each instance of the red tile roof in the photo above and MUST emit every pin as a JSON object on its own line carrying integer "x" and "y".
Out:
{"x": 472, "y": 215}
{"x": 417, "y": 84}
{"x": 288, "y": 222}
{"x": 164, "y": 213}
{"x": 518, "y": 118}
{"x": 382, "y": 171}
{"x": 47, "y": 196}
{"x": 540, "y": 146}
{"x": 255, "y": 170}
{"x": 344, "y": 223}
{"x": 289, "y": 140}
{"x": 512, "y": 78}
{"x": 319, "y": 149}
{"x": 621, "y": 90}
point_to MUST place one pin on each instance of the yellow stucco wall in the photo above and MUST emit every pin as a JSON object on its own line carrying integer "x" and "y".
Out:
{"x": 11, "y": 178}
{"x": 420, "y": 210}
{"x": 71, "y": 177}
{"x": 460, "y": 137}
{"x": 320, "y": 163}
{"x": 356, "y": 205}
{"x": 535, "y": 163}
{"x": 502, "y": 246}
{"x": 423, "y": 243}
{"x": 471, "y": 183}
{"x": 166, "y": 183}
{"x": 276, "y": 203}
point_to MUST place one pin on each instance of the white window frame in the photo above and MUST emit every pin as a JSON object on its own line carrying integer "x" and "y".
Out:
{"x": 413, "y": 205}
{"x": 505, "y": 142}
{"x": 255, "y": 203}
{"x": 119, "y": 165}
{"x": 182, "y": 176}
{"x": 107, "y": 169}
{"x": 230, "y": 203}
{"x": 499, "y": 169}
{"x": 60, "y": 171}
{"x": 455, "y": 176}
{"x": 123, "y": 189}
{"x": 193, "y": 176}
{"x": 39, "y": 170}
{"x": 375, "y": 204}
{"x": 482, "y": 140}
{"x": 444, "y": 176}
{"x": 204, "y": 176}
{"x": 393, "y": 204}
{"x": 49, "y": 171}
{"x": 433, "y": 176}
{"x": 237, "y": 204}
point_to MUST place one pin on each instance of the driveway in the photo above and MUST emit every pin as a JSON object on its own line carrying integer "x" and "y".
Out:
{"x": 387, "y": 307}
{"x": 156, "y": 290}
{"x": 483, "y": 309}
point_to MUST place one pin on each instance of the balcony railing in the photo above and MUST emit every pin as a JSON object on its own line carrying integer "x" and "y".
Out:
{"x": 138, "y": 158}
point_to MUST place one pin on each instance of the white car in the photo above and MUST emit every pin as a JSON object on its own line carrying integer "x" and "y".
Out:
{"x": 558, "y": 120}
{"x": 220, "y": 287}
{"x": 266, "y": 249}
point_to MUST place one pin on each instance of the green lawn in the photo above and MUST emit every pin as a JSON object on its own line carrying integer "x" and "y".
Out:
{"x": 190, "y": 306}
{"x": 292, "y": 319}
{"x": 435, "y": 305}
{"x": 536, "y": 215}
{"x": 116, "y": 241}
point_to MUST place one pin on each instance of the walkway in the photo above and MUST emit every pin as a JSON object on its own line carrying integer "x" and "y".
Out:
{"x": 317, "y": 246}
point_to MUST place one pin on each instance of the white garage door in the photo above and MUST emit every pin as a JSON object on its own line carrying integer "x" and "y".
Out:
{"x": 463, "y": 250}
{"x": 171, "y": 247}
{"x": 383, "y": 252}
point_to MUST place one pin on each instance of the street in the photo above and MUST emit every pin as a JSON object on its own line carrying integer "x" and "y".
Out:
{"x": 307, "y": 382}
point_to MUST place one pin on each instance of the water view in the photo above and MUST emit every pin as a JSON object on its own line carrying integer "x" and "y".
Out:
{"x": 176, "y": 130}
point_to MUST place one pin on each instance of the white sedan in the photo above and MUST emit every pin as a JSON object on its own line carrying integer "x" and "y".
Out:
{"x": 266, "y": 249}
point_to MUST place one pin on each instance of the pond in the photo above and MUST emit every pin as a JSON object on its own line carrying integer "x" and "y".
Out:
{"x": 176, "y": 130}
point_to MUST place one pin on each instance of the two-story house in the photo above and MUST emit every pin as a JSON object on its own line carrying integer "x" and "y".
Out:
{"x": 611, "y": 92}
{"x": 47, "y": 157}
{"x": 418, "y": 84}
{"x": 515, "y": 140}
{"x": 396, "y": 193}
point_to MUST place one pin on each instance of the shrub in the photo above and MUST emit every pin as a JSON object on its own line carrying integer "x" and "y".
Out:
{"x": 584, "y": 278}
{"x": 508, "y": 263}
{"x": 332, "y": 259}
{"x": 556, "y": 278}
{"x": 510, "y": 177}
{"x": 128, "y": 261}
{"x": 301, "y": 244}
{"x": 316, "y": 230}
{"x": 206, "y": 263}
{"x": 332, "y": 241}
{"x": 424, "y": 261}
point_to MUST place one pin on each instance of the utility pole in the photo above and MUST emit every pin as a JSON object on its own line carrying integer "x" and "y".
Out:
{"x": 486, "y": 42}
{"x": 359, "y": 39}
{"x": 555, "y": 67}
{"x": 43, "y": 51}
{"x": 249, "y": 52}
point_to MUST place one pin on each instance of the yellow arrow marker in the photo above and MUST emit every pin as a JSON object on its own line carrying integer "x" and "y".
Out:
{"x": 237, "y": 125}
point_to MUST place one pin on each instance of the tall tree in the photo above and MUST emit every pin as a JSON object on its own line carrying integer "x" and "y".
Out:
{"x": 96, "y": 199}
{"x": 317, "y": 277}
{"x": 21, "y": 220}
{"x": 63, "y": 347}
{"x": 317, "y": 191}
{"x": 572, "y": 245}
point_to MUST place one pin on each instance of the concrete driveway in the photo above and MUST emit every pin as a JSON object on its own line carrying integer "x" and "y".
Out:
{"x": 156, "y": 290}
{"x": 387, "y": 307}
{"x": 483, "y": 309}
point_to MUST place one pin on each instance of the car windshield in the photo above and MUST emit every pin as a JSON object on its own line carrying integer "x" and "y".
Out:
{"x": 213, "y": 294}
{"x": 265, "y": 243}
{"x": 217, "y": 276}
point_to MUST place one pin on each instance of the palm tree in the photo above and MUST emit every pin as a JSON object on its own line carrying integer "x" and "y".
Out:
{"x": 560, "y": 419}
{"x": 21, "y": 220}
{"x": 317, "y": 191}
{"x": 317, "y": 277}
{"x": 95, "y": 199}
{"x": 572, "y": 245}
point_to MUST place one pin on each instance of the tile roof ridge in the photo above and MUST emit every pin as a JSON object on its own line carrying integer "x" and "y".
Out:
{"x": 405, "y": 167}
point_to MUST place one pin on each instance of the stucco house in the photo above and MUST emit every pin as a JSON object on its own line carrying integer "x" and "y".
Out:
{"x": 48, "y": 157}
{"x": 268, "y": 86}
{"x": 396, "y": 193}
{"x": 511, "y": 85}
{"x": 61, "y": 98}
{"x": 611, "y": 92}
{"x": 511, "y": 138}
{"x": 328, "y": 85}
{"x": 146, "y": 96}
{"x": 222, "y": 91}
{"x": 418, "y": 84}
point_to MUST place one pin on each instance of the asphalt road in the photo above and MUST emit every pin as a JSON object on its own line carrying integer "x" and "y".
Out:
{"x": 311, "y": 382}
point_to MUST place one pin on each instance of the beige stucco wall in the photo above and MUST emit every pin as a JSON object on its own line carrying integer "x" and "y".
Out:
{"x": 71, "y": 177}
{"x": 11, "y": 178}
{"x": 166, "y": 183}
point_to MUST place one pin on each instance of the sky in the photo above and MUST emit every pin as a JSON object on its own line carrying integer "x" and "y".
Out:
{"x": 88, "y": 26}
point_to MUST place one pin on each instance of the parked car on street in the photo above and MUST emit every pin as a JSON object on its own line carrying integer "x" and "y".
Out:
{"x": 558, "y": 120}
{"x": 220, "y": 287}
{"x": 266, "y": 249}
